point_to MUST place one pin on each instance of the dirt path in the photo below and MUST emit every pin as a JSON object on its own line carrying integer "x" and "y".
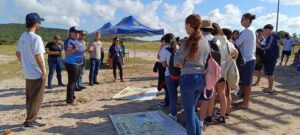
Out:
{"x": 268, "y": 114}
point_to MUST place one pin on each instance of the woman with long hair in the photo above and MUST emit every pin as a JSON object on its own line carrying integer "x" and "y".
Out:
{"x": 191, "y": 58}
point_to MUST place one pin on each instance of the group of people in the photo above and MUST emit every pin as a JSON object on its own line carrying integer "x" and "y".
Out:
{"x": 186, "y": 64}
{"x": 183, "y": 64}
{"x": 30, "y": 53}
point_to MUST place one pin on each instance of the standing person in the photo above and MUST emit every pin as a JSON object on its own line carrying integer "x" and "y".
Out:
{"x": 207, "y": 105}
{"x": 30, "y": 53}
{"x": 247, "y": 45}
{"x": 271, "y": 50}
{"x": 191, "y": 58}
{"x": 235, "y": 35}
{"x": 161, "y": 75}
{"x": 172, "y": 74}
{"x": 102, "y": 56}
{"x": 259, "y": 55}
{"x": 74, "y": 58}
{"x": 288, "y": 43}
{"x": 122, "y": 48}
{"x": 95, "y": 56}
{"x": 54, "y": 50}
{"x": 227, "y": 50}
{"x": 82, "y": 43}
{"x": 116, "y": 55}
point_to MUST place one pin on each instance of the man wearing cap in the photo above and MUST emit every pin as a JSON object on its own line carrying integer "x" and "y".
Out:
{"x": 79, "y": 84}
{"x": 30, "y": 53}
{"x": 74, "y": 58}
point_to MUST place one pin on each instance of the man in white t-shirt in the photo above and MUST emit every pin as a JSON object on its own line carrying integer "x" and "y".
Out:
{"x": 288, "y": 43}
{"x": 30, "y": 53}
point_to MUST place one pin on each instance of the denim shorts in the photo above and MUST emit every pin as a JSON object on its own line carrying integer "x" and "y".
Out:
{"x": 246, "y": 73}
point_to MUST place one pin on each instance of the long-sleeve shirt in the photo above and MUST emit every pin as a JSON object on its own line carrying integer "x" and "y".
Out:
{"x": 271, "y": 48}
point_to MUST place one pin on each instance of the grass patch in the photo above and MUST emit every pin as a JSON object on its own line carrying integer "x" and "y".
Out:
{"x": 8, "y": 49}
{"x": 10, "y": 70}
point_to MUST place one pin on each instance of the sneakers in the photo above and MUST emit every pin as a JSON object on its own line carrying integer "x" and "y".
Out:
{"x": 61, "y": 84}
{"x": 49, "y": 87}
{"x": 221, "y": 120}
{"x": 163, "y": 105}
{"x": 33, "y": 124}
{"x": 95, "y": 82}
{"x": 208, "y": 120}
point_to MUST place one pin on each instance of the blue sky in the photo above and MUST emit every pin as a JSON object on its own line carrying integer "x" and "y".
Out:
{"x": 167, "y": 14}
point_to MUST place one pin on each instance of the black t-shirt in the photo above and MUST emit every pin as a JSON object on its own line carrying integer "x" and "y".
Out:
{"x": 54, "y": 48}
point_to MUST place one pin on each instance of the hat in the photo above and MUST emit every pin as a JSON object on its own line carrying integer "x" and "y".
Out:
{"x": 74, "y": 29}
{"x": 33, "y": 18}
{"x": 206, "y": 24}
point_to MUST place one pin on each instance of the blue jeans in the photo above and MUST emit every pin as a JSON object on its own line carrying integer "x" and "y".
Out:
{"x": 55, "y": 63}
{"x": 81, "y": 71}
{"x": 94, "y": 68}
{"x": 172, "y": 86}
{"x": 191, "y": 86}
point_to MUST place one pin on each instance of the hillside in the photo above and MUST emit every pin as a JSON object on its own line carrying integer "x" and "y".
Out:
{"x": 10, "y": 33}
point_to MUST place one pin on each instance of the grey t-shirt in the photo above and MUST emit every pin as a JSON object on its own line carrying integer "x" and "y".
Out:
{"x": 192, "y": 66}
{"x": 96, "y": 49}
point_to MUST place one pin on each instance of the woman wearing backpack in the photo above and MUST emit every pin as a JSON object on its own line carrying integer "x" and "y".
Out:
{"x": 172, "y": 74}
{"x": 226, "y": 50}
{"x": 191, "y": 58}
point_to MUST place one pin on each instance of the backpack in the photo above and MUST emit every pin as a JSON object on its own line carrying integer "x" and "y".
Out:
{"x": 215, "y": 51}
{"x": 174, "y": 72}
{"x": 240, "y": 60}
{"x": 212, "y": 76}
{"x": 231, "y": 73}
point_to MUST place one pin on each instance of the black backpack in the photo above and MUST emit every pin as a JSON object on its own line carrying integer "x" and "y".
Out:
{"x": 240, "y": 60}
{"x": 215, "y": 51}
{"x": 174, "y": 72}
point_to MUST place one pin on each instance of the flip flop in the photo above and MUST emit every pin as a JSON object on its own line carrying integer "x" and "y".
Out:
{"x": 239, "y": 107}
{"x": 271, "y": 92}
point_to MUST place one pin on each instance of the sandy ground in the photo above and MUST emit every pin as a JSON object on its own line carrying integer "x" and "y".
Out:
{"x": 268, "y": 114}
{"x": 6, "y": 59}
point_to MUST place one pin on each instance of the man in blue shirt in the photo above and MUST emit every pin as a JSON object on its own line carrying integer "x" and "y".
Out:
{"x": 271, "y": 51}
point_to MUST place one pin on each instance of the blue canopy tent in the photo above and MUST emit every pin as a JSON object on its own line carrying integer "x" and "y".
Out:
{"x": 105, "y": 26}
{"x": 130, "y": 27}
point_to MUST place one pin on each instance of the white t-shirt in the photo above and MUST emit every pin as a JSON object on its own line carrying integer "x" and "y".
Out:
{"x": 30, "y": 45}
{"x": 288, "y": 44}
{"x": 165, "y": 56}
{"x": 247, "y": 42}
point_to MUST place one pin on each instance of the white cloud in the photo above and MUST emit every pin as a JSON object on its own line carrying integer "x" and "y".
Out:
{"x": 229, "y": 19}
{"x": 284, "y": 2}
{"x": 286, "y": 23}
{"x": 180, "y": 11}
{"x": 67, "y": 11}
{"x": 256, "y": 9}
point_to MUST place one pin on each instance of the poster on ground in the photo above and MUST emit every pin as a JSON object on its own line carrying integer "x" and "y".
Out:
{"x": 134, "y": 93}
{"x": 146, "y": 123}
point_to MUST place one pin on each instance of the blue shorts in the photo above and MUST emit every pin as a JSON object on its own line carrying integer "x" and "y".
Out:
{"x": 246, "y": 73}
{"x": 269, "y": 67}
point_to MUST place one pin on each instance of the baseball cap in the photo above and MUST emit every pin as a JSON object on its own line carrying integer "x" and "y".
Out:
{"x": 74, "y": 29}
{"x": 33, "y": 18}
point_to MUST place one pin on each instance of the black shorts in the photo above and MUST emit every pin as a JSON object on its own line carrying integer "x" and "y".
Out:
{"x": 259, "y": 59}
{"x": 287, "y": 53}
{"x": 269, "y": 67}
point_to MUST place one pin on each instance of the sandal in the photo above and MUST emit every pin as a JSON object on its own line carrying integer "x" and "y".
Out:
{"x": 239, "y": 106}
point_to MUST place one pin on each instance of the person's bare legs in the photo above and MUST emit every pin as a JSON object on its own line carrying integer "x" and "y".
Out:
{"x": 211, "y": 106}
{"x": 258, "y": 75}
{"x": 246, "y": 100}
{"x": 270, "y": 80}
{"x": 287, "y": 59}
{"x": 229, "y": 101}
{"x": 203, "y": 110}
{"x": 282, "y": 56}
{"x": 222, "y": 96}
